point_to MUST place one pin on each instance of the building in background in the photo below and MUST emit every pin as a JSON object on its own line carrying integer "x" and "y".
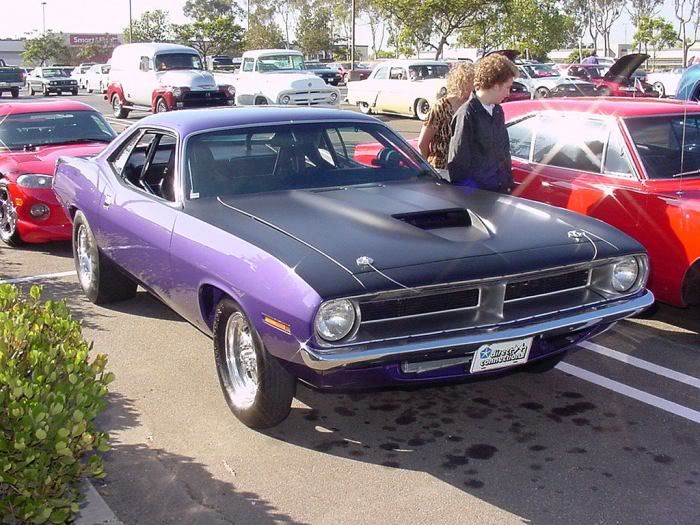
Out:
{"x": 83, "y": 47}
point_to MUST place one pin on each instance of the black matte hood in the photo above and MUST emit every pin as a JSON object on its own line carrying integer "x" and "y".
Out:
{"x": 398, "y": 227}
{"x": 625, "y": 66}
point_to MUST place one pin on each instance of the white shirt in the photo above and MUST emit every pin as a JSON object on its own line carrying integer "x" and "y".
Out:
{"x": 488, "y": 107}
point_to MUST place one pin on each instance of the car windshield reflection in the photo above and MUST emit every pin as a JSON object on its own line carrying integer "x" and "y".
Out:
{"x": 302, "y": 156}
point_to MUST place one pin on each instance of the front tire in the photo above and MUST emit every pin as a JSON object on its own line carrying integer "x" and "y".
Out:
{"x": 8, "y": 218}
{"x": 364, "y": 108}
{"x": 14, "y": 92}
{"x": 161, "y": 106}
{"x": 258, "y": 390}
{"x": 422, "y": 109}
{"x": 31, "y": 90}
{"x": 542, "y": 92}
{"x": 118, "y": 108}
{"x": 101, "y": 279}
{"x": 660, "y": 89}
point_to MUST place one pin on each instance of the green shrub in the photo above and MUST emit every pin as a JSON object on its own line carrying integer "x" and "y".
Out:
{"x": 50, "y": 395}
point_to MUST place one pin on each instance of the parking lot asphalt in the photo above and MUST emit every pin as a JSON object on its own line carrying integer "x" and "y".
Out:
{"x": 611, "y": 436}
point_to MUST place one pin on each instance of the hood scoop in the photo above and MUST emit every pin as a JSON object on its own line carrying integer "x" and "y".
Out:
{"x": 437, "y": 219}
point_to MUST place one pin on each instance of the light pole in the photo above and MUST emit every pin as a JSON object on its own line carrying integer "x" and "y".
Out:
{"x": 43, "y": 18}
{"x": 131, "y": 27}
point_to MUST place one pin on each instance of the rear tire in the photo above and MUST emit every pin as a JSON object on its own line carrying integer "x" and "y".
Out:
{"x": 101, "y": 280}
{"x": 31, "y": 90}
{"x": 118, "y": 108}
{"x": 422, "y": 109}
{"x": 14, "y": 92}
{"x": 660, "y": 89}
{"x": 257, "y": 388}
{"x": 542, "y": 92}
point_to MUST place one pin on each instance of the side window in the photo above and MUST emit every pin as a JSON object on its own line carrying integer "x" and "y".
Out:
{"x": 522, "y": 73}
{"x": 382, "y": 74}
{"x": 397, "y": 73}
{"x": 616, "y": 156}
{"x": 137, "y": 159}
{"x": 520, "y": 135}
{"x": 118, "y": 160}
{"x": 145, "y": 64}
{"x": 572, "y": 143}
{"x": 248, "y": 64}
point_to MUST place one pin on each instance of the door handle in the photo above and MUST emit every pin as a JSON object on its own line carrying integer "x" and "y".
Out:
{"x": 108, "y": 200}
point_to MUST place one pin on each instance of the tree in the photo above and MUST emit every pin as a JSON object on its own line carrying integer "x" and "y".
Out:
{"x": 289, "y": 11}
{"x": 94, "y": 53}
{"x": 206, "y": 10}
{"x": 44, "y": 48}
{"x": 688, "y": 15}
{"x": 604, "y": 13}
{"x": 313, "y": 30}
{"x": 263, "y": 32}
{"x": 580, "y": 16}
{"x": 640, "y": 10}
{"x": 432, "y": 23}
{"x": 376, "y": 22}
{"x": 211, "y": 36}
{"x": 152, "y": 26}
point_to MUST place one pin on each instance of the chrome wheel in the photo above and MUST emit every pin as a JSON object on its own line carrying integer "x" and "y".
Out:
{"x": 117, "y": 110}
{"x": 241, "y": 361}
{"x": 422, "y": 109}
{"x": 8, "y": 215}
{"x": 659, "y": 88}
{"x": 85, "y": 262}
{"x": 161, "y": 106}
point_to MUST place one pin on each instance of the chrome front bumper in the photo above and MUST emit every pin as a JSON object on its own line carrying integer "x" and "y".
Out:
{"x": 394, "y": 351}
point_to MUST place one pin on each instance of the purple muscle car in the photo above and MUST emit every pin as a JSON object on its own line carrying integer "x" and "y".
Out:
{"x": 306, "y": 259}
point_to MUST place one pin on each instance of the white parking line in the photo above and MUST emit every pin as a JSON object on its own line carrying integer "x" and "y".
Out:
{"x": 634, "y": 393}
{"x": 640, "y": 363}
{"x": 37, "y": 277}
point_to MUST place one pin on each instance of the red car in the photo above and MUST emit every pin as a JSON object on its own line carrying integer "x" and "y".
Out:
{"x": 615, "y": 80}
{"x": 32, "y": 137}
{"x": 633, "y": 163}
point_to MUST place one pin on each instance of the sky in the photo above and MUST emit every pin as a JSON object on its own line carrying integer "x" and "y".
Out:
{"x": 112, "y": 16}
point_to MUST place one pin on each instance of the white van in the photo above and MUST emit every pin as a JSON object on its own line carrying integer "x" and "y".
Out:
{"x": 162, "y": 77}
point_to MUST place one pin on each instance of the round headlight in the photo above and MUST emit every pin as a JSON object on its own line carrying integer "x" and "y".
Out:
{"x": 625, "y": 274}
{"x": 285, "y": 99}
{"x": 334, "y": 97}
{"x": 39, "y": 210}
{"x": 177, "y": 92}
{"x": 34, "y": 181}
{"x": 231, "y": 90}
{"x": 442, "y": 92}
{"x": 335, "y": 319}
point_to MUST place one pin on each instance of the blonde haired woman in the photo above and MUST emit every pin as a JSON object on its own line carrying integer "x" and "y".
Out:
{"x": 434, "y": 139}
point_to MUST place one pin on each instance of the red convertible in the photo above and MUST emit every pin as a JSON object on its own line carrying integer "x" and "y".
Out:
{"x": 32, "y": 137}
{"x": 634, "y": 164}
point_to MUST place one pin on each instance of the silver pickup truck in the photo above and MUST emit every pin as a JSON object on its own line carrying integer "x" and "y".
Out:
{"x": 11, "y": 79}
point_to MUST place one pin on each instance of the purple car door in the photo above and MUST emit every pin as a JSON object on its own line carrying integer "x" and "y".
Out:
{"x": 139, "y": 209}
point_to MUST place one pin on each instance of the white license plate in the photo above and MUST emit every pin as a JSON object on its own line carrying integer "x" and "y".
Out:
{"x": 500, "y": 355}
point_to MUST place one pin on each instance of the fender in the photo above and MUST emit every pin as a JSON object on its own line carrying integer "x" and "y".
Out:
{"x": 115, "y": 88}
{"x": 165, "y": 94}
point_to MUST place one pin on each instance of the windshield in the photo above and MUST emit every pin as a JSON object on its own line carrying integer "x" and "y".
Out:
{"x": 541, "y": 71}
{"x": 169, "y": 61}
{"x": 54, "y": 73}
{"x": 40, "y": 129}
{"x": 281, "y": 63}
{"x": 428, "y": 71}
{"x": 298, "y": 156}
{"x": 668, "y": 146}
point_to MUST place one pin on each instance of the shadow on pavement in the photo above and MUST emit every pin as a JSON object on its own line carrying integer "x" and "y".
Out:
{"x": 149, "y": 485}
{"x": 532, "y": 445}
{"x": 145, "y": 305}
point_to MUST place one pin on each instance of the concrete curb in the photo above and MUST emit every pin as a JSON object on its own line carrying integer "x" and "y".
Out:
{"x": 94, "y": 510}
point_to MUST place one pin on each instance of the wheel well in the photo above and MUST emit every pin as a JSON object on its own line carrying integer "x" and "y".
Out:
{"x": 259, "y": 98}
{"x": 209, "y": 297}
{"x": 691, "y": 284}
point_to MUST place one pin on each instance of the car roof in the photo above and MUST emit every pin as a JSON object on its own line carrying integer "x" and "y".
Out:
{"x": 271, "y": 52}
{"x": 612, "y": 106}
{"x": 186, "y": 122}
{"x": 43, "y": 107}
{"x": 412, "y": 62}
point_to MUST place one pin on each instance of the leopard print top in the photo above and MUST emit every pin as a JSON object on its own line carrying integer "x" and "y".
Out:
{"x": 439, "y": 118}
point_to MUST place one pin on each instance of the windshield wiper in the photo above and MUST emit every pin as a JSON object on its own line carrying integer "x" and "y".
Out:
{"x": 686, "y": 174}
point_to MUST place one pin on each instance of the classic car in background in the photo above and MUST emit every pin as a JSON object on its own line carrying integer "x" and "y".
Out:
{"x": 97, "y": 78}
{"x": 402, "y": 87}
{"x": 12, "y": 79}
{"x": 544, "y": 81}
{"x": 161, "y": 77}
{"x": 665, "y": 83}
{"x": 78, "y": 73}
{"x": 615, "y": 80}
{"x": 32, "y": 137}
{"x": 689, "y": 84}
{"x": 634, "y": 164}
{"x": 47, "y": 80}
{"x": 329, "y": 75}
{"x": 361, "y": 70}
{"x": 278, "y": 76}
{"x": 333, "y": 271}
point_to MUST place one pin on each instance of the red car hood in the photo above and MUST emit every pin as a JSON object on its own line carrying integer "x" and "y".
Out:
{"x": 43, "y": 159}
